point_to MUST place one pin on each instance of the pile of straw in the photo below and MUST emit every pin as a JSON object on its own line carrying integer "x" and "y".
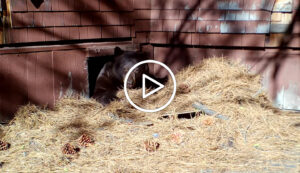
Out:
{"x": 255, "y": 137}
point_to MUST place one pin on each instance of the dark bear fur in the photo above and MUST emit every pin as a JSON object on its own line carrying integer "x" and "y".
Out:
{"x": 111, "y": 77}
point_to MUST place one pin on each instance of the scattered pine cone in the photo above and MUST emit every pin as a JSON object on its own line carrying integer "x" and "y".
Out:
{"x": 184, "y": 88}
{"x": 70, "y": 149}
{"x": 4, "y": 145}
{"x": 85, "y": 140}
{"x": 151, "y": 146}
{"x": 177, "y": 138}
{"x": 214, "y": 148}
{"x": 208, "y": 121}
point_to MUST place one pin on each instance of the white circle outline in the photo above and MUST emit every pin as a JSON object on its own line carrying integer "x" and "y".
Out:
{"x": 153, "y": 62}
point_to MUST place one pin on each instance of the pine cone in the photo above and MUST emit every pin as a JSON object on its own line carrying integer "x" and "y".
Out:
{"x": 184, "y": 88}
{"x": 70, "y": 149}
{"x": 4, "y": 145}
{"x": 85, "y": 140}
{"x": 151, "y": 146}
{"x": 208, "y": 121}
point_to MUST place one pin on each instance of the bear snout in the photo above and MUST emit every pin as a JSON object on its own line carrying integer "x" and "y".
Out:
{"x": 131, "y": 82}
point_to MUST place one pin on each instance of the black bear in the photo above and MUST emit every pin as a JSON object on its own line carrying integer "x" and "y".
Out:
{"x": 112, "y": 75}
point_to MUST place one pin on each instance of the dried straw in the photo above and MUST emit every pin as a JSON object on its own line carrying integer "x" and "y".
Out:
{"x": 256, "y": 137}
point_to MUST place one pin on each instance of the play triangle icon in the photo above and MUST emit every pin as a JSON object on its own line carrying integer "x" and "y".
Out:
{"x": 160, "y": 86}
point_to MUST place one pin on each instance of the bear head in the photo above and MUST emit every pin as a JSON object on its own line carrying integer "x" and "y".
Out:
{"x": 124, "y": 60}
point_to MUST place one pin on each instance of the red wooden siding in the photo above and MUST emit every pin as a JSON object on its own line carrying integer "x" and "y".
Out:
{"x": 259, "y": 61}
{"x": 64, "y": 19}
{"x": 58, "y": 20}
{"x": 41, "y": 75}
{"x": 176, "y": 32}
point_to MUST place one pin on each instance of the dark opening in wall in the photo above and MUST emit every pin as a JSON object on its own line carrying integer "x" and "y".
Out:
{"x": 95, "y": 64}
{"x": 37, "y": 3}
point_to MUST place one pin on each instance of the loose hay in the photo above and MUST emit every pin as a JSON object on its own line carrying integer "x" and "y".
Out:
{"x": 257, "y": 137}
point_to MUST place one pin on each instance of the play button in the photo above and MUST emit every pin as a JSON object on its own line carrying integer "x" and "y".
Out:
{"x": 146, "y": 78}
{"x": 160, "y": 86}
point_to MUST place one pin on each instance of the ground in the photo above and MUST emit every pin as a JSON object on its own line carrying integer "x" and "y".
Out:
{"x": 250, "y": 136}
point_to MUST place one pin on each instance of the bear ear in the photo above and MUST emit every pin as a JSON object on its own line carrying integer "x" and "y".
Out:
{"x": 118, "y": 51}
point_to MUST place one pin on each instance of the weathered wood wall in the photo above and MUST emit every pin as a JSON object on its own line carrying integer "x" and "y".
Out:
{"x": 41, "y": 75}
{"x": 176, "y": 32}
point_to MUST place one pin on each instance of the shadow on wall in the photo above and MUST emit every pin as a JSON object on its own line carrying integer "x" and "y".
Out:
{"x": 177, "y": 55}
{"x": 15, "y": 90}
{"x": 277, "y": 60}
{"x": 19, "y": 71}
{"x": 29, "y": 77}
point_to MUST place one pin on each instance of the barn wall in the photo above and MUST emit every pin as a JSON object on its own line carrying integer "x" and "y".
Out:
{"x": 176, "y": 32}
{"x": 263, "y": 34}
{"x": 146, "y": 20}
{"x": 280, "y": 76}
{"x": 42, "y": 75}
{"x": 57, "y": 20}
